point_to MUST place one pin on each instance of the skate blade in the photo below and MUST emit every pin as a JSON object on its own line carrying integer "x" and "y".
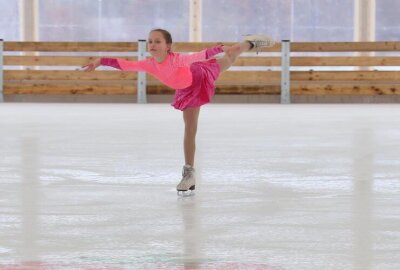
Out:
{"x": 187, "y": 193}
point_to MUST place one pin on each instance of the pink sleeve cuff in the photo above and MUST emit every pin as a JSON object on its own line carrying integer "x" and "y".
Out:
{"x": 210, "y": 52}
{"x": 111, "y": 62}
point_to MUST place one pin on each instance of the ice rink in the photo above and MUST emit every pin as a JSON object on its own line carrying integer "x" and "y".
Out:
{"x": 280, "y": 187}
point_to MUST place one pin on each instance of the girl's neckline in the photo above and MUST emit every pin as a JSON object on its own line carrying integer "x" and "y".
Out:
{"x": 163, "y": 61}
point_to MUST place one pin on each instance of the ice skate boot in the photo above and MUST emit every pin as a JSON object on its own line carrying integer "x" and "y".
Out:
{"x": 188, "y": 181}
{"x": 259, "y": 41}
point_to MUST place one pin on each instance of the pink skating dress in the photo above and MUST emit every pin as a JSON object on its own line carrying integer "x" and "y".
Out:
{"x": 191, "y": 75}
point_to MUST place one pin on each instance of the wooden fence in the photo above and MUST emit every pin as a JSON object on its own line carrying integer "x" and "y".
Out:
{"x": 49, "y": 68}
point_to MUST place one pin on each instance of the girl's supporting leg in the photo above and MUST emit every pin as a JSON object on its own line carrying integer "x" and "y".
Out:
{"x": 190, "y": 117}
{"x": 231, "y": 54}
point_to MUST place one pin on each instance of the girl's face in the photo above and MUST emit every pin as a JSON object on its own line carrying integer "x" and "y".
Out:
{"x": 157, "y": 45}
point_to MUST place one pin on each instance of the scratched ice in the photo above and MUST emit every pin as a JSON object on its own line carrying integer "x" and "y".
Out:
{"x": 92, "y": 186}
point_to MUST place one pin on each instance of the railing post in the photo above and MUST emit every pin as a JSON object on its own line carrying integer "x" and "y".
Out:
{"x": 141, "y": 82}
{"x": 285, "y": 72}
{"x": 1, "y": 71}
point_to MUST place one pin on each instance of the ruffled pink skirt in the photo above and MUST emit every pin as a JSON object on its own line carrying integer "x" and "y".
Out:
{"x": 203, "y": 86}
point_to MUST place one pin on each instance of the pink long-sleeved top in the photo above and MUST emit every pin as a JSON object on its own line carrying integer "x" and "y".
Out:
{"x": 174, "y": 71}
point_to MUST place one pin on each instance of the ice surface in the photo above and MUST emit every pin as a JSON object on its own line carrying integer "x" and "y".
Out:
{"x": 92, "y": 186}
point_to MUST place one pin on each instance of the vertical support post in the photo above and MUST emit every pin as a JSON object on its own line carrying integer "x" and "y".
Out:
{"x": 285, "y": 72}
{"x": 29, "y": 20}
{"x": 364, "y": 25}
{"x": 141, "y": 82}
{"x": 1, "y": 71}
{"x": 29, "y": 24}
{"x": 195, "y": 17}
{"x": 364, "y": 20}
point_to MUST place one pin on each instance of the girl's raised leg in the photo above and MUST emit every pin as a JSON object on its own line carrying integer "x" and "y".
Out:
{"x": 250, "y": 42}
{"x": 231, "y": 54}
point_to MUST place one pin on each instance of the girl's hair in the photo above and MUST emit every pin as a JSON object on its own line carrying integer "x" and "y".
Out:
{"x": 165, "y": 33}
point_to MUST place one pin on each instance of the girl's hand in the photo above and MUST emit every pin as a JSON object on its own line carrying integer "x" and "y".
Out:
{"x": 92, "y": 66}
{"x": 224, "y": 48}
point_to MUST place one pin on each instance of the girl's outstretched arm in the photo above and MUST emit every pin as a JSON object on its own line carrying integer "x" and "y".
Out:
{"x": 117, "y": 63}
{"x": 187, "y": 59}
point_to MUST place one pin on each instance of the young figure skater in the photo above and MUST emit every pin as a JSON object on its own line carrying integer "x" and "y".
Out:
{"x": 193, "y": 77}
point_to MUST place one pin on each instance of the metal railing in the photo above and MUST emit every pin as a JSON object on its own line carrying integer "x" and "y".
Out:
{"x": 285, "y": 72}
{"x": 1, "y": 71}
{"x": 141, "y": 82}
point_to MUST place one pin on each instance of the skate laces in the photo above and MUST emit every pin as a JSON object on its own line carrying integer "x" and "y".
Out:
{"x": 262, "y": 43}
{"x": 259, "y": 41}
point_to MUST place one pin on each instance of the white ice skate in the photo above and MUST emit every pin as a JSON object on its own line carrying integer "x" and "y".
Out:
{"x": 259, "y": 41}
{"x": 188, "y": 181}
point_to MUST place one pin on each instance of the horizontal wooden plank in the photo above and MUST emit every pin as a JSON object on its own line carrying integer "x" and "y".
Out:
{"x": 241, "y": 61}
{"x": 127, "y": 90}
{"x": 344, "y": 61}
{"x": 344, "y": 46}
{"x": 304, "y": 46}
{"x": 249, "y": 77}
{"x": 257, "y": 61}
{"x": 296, "y": 61}
{"x": 345, "y": 89}
{"x": 239, "y": 78}
{"x": 243, "y": 78}
{"x": 271, "y": 77}
{"x": 345, "y": 76}
{"x": 198, "y": 46}
{"x": 159, "y": 89}
{"x": 223, "y": 90}
{"x": 68, "y": 75}
{"x": 361, "y": 61}
{"x": 53, "y": 60}
{"x": 248, "y": 90}
{"x": 236, "y": 77}
{"x": 71, "y": 46}
{"x": 81, "y": 60}
{"x": 109, "y": 46}
{"x": 75, "y": 82}
{"x": 296, "y": 89}
{"x": 50, "y": 89}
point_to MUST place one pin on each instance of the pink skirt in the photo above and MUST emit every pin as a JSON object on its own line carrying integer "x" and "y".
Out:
{"x": 202, "y": 89}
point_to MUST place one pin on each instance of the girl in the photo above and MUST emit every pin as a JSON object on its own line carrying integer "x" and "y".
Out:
{"x": 193, "y": 77}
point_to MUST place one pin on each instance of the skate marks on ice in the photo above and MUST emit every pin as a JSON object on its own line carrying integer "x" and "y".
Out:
{"x": 311, "y": 193}
{"x": 38, "y": 265}
{"x": 190, "y": 247}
